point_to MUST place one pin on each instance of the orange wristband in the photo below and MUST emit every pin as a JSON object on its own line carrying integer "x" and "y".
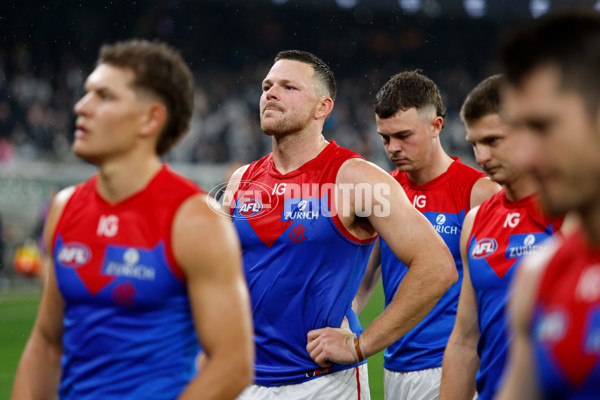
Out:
{"x": 359, "y": 352}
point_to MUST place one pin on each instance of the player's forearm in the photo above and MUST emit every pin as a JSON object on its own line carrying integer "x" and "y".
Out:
{"x": 220, "y": 379}
{"x": 38, "y": 373}
{"x": 418, "y": 293}
{"x": 459, "y": 369}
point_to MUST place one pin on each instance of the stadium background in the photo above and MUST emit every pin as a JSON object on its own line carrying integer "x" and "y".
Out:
{"x": 47, "y": 48}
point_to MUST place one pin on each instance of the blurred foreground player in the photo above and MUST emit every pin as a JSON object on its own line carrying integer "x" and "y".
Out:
{"x": 307, "y": 215}
{"x": 553, "y": 102}
{"x": 495, "y": 239}
{"x": 142, "y": 268}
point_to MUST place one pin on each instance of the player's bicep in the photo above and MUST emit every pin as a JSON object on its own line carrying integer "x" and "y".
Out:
{"x": 208, "y": 250}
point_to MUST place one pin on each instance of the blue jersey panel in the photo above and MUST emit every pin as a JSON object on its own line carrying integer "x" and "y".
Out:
{"x": 296, "y": 286}
{"x": 423, "y": 346}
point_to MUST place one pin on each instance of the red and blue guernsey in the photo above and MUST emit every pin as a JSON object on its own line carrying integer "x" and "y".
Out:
{"x": 128, "y": 329}
{"x": 302, "y": 266}
{"x": 504, "y": 231}
{"x": 444, "y": 201}
{"x": 566, "y": 322}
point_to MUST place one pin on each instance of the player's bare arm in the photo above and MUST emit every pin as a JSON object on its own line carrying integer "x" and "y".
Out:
{"x": 38, "y": 373}
{"x": 232, "y": 187}
{"x": 407, "y": 232}
{"x": 207, "y": 248}
{"x": 461, "y": 360}
{"x": 482, "y": 190}
{"x": 520, "y": 380}
{"x": 370, "y": 280}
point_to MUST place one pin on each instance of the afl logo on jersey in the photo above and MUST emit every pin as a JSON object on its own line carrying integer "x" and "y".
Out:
{"x": 250, "y": 207}
{"x": 484, "y": 248}
{"x": 73, "y": 254}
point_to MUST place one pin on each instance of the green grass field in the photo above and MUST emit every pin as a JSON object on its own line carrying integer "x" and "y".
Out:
{"x": 18, "y": 309}
{"x": 17, "y": 313}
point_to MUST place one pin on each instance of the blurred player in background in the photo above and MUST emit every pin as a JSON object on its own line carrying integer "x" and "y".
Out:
{"x": 410, "y": 118}
{"x": 553, "y": 103}
{"x": 496, "y": 236}
{"x": 142, "y": 269}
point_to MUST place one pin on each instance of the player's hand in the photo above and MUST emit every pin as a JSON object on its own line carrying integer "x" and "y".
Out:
{"x": 329, "y": 345}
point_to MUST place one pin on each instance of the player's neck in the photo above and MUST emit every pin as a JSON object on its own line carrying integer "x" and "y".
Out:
{"x": 294, "y": 150}
{"x": 439, "y": 163}
{"x": 590, "y": 218}
{"x": 119, "y": 179}
{"x": 519, "y": 188}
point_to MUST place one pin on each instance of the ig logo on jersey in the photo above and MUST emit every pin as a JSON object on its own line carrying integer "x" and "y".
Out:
{"x": 484, "y": 248}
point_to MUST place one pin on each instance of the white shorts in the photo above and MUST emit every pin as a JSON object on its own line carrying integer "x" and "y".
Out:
{"x": 349, "y": 384}
{"x": 412, "y": 385}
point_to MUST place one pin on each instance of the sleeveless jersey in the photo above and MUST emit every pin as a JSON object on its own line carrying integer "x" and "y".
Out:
{"x": 444, "y": 201}
{"x": 503, "y": 233}
{"x": 302, "y": 266}
{"x": 128, "y": 330}
{"x": 566, "y": 322}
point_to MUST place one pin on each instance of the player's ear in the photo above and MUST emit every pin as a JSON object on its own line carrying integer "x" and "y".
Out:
{"x": 153, "y": 119}
{"x": 324, "y": 107}
{"x": 437, "y": 123}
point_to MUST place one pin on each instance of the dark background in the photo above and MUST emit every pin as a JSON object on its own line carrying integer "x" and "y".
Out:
{"x": 48, "y": 47}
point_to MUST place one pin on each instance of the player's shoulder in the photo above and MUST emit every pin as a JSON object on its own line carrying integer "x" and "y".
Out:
{"x": 199, "y": 215}
{"x": 359, "y": 170}
{"x": 238, "y": 174}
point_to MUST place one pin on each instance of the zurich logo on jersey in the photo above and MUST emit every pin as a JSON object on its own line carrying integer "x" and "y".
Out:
{"x": 73, "y": 254}
{"x": 484, "y": 248}
{"x": 250, "y": 207}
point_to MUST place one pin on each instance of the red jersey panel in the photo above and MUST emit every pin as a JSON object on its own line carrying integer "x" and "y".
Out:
{"x": 566, "y": 322}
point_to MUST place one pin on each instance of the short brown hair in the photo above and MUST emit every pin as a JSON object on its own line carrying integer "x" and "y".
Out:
{"x": 322, "y": 70}
{"x": 483, "y": 100}
{"x": 161, "y": 70}
{"x": 407, "y": 90}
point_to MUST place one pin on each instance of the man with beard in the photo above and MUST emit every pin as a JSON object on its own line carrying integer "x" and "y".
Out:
{"x": 307, "y": 215}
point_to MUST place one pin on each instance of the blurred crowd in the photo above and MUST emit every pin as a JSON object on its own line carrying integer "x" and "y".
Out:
{"x": 229, "y": 47}
{"x": 37, "y": 120}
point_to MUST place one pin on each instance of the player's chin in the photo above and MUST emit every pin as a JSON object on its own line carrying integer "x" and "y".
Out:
{"x": 272, "y": 131}
{"x": 81, "y": 152}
